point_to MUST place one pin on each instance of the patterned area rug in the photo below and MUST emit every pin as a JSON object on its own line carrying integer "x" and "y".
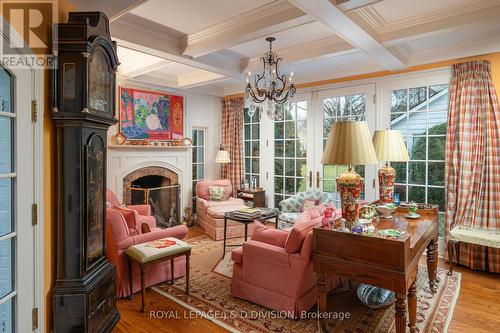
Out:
{"x": 210, "y": 297}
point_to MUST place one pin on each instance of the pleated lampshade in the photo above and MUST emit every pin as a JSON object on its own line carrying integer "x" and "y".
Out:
{"x": 390, "y": 146}
{"x": 349, "y": 143}
{"x": 222, "y": 156}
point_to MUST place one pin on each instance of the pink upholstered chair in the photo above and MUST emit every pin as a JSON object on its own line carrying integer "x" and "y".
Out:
{"x": 142, "y": 212}
{"x": 210, "y": 214}
{"x": 119, "y": 237}
{"x": 274, "y": 268}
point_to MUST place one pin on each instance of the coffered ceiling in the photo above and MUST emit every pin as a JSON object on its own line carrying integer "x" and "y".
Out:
{"x": 209, "y": 46}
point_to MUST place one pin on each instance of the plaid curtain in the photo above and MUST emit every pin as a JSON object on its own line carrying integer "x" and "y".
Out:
{"x": 472, "y": 169}
{"x": 232, "y": 140}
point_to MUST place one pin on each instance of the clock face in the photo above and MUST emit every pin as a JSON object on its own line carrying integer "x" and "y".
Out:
{"x": 100, "y": 80}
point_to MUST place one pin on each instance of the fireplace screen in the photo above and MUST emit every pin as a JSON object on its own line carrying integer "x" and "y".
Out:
{"x": 164, "y": 202}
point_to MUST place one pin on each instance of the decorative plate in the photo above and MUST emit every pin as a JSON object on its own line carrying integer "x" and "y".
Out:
{"x": 390, "y": 233}
{"x": 187, "y": 142}
{"x": 412, "y": 216}
{"x": 120, "y": 138}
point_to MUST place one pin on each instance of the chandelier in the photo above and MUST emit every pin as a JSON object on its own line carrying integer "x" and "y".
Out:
{"x": 270, "y": 91}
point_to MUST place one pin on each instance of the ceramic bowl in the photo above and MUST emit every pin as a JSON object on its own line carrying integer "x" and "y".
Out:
{"x": 385, "y": 211}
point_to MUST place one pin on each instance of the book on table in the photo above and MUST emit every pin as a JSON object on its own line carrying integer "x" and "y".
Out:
{"x": 247, "y": 213}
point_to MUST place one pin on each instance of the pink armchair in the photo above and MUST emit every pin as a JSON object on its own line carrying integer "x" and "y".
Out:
{"x": 142, "y": 212}
{"x": 210, "y": 214}
{"x": 274, "y": 268}
{"x": 119, "y": 238}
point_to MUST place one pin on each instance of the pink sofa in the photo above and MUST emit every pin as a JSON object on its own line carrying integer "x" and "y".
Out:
{"x": 210, "y": 214}
{"x": 123, "y": 232}
{"x": 274, "y": 268}
{"x": 142, "y": 212}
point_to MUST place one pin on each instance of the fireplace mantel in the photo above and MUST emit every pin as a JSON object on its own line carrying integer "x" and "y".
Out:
{"x": 146, "y": 147}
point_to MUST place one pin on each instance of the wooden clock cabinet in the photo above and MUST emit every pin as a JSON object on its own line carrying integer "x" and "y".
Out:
{"x": 83, "y": 109}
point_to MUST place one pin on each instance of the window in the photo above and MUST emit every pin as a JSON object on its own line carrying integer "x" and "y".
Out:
{"x": 251, "y": 138}
{"x": 420, "y": 114}
{"x": 290, "y": 152}
{"x": 340, "y": 108}
{"x": 198, "y": 160}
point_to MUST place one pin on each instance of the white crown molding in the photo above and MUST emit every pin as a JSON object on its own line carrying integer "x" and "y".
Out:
{"x": 262, "y": 21}
{"x": 377, "y": 21}
{"x": 474, "y": 48}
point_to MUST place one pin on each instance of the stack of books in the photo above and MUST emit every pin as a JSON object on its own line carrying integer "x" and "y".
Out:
{"x": 247, "y": 213}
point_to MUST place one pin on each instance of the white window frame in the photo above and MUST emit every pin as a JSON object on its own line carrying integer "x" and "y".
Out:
{"x": 204, "y": 163}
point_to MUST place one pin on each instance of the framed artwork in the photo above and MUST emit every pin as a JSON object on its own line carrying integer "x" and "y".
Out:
{"x": 151, "y": 115}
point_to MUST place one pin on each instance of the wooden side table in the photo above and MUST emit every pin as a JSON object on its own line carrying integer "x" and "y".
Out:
{"x": 256, "y": 196}
{"x": 382, "y": 262}
{"x": 149, "y": 253}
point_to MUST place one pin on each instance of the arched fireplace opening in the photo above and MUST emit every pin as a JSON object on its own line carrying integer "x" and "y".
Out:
{"x": 157, "y": 187}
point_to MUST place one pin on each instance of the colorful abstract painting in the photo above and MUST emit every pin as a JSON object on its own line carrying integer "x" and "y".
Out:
{"x": 149, "y": 115}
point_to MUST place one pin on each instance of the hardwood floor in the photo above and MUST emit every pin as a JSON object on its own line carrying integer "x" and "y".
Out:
{"x": 477, "y": 309}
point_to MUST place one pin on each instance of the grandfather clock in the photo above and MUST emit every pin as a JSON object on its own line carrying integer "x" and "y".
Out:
{"x": 84, "y": 104}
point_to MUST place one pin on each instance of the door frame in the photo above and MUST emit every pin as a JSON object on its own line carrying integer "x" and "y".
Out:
{"x": 369, "y": 90}
{"x": 34, "y": 95}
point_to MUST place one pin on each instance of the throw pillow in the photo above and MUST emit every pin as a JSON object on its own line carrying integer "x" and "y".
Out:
{"x": 308, "y": 203}
{"x": 217, "y": 193}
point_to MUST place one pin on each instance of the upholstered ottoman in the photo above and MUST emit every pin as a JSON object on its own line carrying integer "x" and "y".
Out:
{"x": 155, "y": 251}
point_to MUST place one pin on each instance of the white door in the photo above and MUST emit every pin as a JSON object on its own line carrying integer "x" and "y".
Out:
{"x": 352, "y": 103}
{"x": 17, "y": 263}
{"x": 292, "y": 151}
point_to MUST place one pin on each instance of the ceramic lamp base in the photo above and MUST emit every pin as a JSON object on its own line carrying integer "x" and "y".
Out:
{"x": 386, "y": 177}
{"x": 350, "y": 185}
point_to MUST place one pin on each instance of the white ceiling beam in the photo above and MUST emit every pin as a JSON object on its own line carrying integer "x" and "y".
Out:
{"x": 255, "y": 24}
{"x": 327, "y": 13}
{"x": 310, "y": 51}
{"x": 139, "y": 34}
{"x": 112, "y": 8}
{"x": 149, "y": 68}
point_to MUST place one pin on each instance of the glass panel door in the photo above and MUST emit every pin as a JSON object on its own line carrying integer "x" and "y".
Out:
{"x": 354, "y": 103}
{"x": 17, "y": 277}
{"x": 291, "y": 151}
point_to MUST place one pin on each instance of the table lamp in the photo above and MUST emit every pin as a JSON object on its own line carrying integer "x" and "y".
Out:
{"x": 389, "y": 147}
{"x": 349, "y": 143}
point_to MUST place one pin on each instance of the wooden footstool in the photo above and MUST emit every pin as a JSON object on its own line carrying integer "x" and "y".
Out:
{"x": 155, "y": 251}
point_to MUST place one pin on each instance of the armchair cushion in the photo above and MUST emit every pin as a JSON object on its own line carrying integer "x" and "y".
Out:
{"x": 202, "y": 188}
{"x": 217, "y": 193}
{"x": 268, "y": 253}
{"x": 263, "y": 234}
{"x": 237, "y": 255}
{"x": 130, "y": 218}
{"x": 482, "y": 237}
{"x": 141, "y": 209}
{"x": 300, "y": 230}
{"x": 308, "y": 203}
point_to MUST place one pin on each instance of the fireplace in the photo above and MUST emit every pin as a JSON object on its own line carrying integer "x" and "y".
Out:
{"x": 158, "y": 187}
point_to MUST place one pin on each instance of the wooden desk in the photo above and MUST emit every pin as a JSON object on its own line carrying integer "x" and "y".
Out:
{"x": 382, "y": 262}
{"x": 256, "y": 196}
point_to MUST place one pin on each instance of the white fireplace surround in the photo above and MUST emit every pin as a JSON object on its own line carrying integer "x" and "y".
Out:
{"x": 122, "y": 160}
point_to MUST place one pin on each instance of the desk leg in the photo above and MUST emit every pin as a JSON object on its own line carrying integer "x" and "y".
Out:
{"x": 143, "y": 289}
{"x": 400, "y": 313}
{"x": 225, "y": 235}
{"x": 431, "y": 264}
{"x": 322, "y": 300}
{"x": 412, "y": 306}
{"x": 130, "y": 279}
{"x": 187, "y": 273}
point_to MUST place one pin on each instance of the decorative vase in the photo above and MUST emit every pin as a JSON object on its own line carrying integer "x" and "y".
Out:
{"x": 350, "y": 185}
{"x": 386, "y": 178}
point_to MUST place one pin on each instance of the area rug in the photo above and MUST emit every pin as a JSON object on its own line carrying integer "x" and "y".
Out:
{"x": 210, "y": 298}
